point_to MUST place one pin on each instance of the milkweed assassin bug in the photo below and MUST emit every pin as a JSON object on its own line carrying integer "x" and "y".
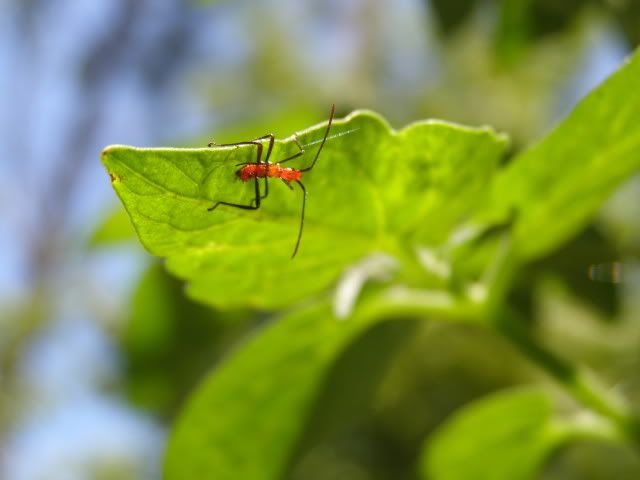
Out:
{"x": 263, "y": 168}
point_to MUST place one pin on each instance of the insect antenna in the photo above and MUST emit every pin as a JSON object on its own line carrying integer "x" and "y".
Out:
{"x": 331, "y": 137}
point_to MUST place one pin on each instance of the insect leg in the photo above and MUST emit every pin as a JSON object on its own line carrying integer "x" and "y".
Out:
{"x": 266, "y": 189}
{"x": 255, "y": 203}
{"x": 304, "y": 201}
{"x": 324, "y": 139}
{"x": 271, "y": 138}
{"x": 266, "y": 160}
{"x": 295, "y": 155}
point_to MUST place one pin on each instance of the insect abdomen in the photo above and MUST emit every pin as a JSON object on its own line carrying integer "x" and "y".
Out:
{"x": 261, "y": 170}
{"x": 290, "y": 174}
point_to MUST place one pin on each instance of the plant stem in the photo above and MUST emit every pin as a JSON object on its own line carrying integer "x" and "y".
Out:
{"x": 582, "y": 385}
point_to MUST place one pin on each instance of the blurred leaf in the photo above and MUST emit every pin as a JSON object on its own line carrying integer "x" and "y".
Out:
{"x": 350, "y": 385}
{"x": 115, "y": 228}
{"x": 451, "y": 14}
{"x": 245, "y": 420}
{"x": 593, "y": 460}
{"x": 372, "y": 190}
{"x": 554, "y": 187}
{"x": 551, "y": 17}
{"x": 627, "y": 13}
{"x": 168, "y": 341}
{"x": 505, "y": 436}
{"x": 250, "y": 415}
{"x": 514, "y": 30}
{"x": 571, "y": 263}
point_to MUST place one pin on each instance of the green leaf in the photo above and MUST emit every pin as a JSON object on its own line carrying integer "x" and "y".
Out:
{"x": 169, "y": 341}
{"x": 115, "y": 228}
{"x": 246, "y": 418}
{"x": 372, "y": 190}
{"x": 571, "y": 263}
{"x": 505, "y": 436}
{"x": 554, "y": 187}
{"x": 513, "y": 31}
{"x": 452, "y": 14}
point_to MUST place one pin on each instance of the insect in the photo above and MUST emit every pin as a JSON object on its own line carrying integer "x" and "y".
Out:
{"x": 263, "y": 168}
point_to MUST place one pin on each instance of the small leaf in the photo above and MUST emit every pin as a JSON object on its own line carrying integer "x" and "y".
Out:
{"x": 505, "y": 436}
{"x": 372, "y": 190}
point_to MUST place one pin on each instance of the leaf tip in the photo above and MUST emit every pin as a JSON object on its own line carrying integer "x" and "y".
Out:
{"x": 110, "y": 150}
{"x": 109, "y": 156}
{"x": 107, "y": 150}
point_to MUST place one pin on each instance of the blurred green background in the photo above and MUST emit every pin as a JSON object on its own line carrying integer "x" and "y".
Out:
{"x": 99, "y": 346}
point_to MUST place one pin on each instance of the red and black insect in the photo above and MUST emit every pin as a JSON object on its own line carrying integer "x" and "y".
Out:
{"x": 265, "y": 169}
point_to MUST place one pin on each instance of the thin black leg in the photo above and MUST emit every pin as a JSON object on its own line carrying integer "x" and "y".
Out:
{"x": 304, "y": 201}
{"x": 270, "y": 136}
{"x": 324, "y": 139}
{"x": 266, "y": 189}
{"x": 271, "y": 140}
{"x": 255, "y": 203}
{"x": 266, "y": 160}
{"x": 295, "y": 155}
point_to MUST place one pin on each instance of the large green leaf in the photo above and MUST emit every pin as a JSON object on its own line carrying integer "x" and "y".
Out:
{"x": 372, "y": 190}
{"x": 246, "y": 418}
{"x": 169, "y": 341}
{"x": 505, "y": 436}
{"x": 553, "y": 188}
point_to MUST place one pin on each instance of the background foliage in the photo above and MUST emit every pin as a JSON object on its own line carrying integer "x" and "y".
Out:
{"x": 450, "y": 313}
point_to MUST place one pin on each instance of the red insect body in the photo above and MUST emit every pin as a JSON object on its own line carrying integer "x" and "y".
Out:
{"x": 261, "y": 170}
